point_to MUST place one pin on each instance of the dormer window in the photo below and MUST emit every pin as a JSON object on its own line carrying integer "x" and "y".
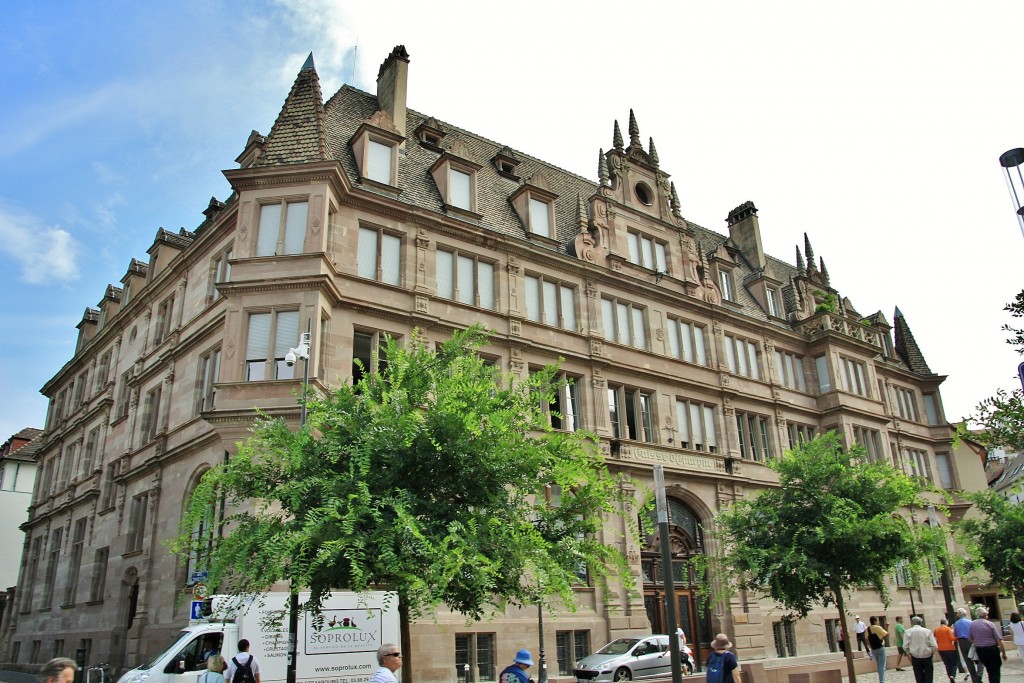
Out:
{"x": 455, "y": 176}
{"x": 375, "y": 145}
{"x": 378, "y": 162}
{"x": 725, "y": 281}
{"x": 773, "y": 301}
{"x": 540, "y": 218}
{"x": 430, "y": 134}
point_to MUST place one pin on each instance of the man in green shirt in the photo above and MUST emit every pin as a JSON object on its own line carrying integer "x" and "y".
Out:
{"x": 900, "y": 630}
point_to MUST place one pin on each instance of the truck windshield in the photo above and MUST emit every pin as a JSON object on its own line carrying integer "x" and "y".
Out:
{"x": 173, "y": 644}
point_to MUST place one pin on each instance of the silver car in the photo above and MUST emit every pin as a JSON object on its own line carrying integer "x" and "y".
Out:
{"x": 627, "y": 659}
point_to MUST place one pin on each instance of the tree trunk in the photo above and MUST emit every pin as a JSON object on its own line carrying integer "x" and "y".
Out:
{"x": 841, "y": 606}
{"x": 403, "y": 625}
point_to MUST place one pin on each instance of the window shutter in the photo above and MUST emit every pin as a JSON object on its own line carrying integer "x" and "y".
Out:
{"x": 295, "y": 228}
{"x": 390, "y": 260}
{"x": 270, "y": 226}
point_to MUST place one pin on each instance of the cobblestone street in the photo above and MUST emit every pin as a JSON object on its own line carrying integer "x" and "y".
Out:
{"x": 1012, "y": 671}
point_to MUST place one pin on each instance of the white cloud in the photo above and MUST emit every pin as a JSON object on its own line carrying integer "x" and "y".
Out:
{"x": 44, "y": 253}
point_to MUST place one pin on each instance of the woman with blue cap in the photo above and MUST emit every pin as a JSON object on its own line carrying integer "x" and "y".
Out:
{"x": 516, "y": 671}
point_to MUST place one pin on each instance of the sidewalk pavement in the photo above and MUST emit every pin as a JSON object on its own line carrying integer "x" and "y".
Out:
{"x": 1012, "y": 671}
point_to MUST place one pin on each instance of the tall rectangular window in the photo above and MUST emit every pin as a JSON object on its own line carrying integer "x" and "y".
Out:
{"x": 282, "y": 228}
{"x": 378, "y": 162}
{"x": 931, "y": 409}
{"x": 774, "y": 301}
{"x": 123, "y": 394}
{"x": 540, "y": 218}
{"x": 75, "y": 563}
{"x": 368, "y": 354}
{"x": 945, "y": 470}
{"x": 647, "y": 252}
{"x": 137, "y": 522}
{"x": 379, "y": 255}
{"x": 799, "y": 434}
{"x": 631, "y": 413}
{"x": 477, "y": 652}
{"x": 563, "y": 411}
{"x": 31, "y": 574}
{"x": 785, "y": 638}
{"x": 686, "y": 341}
{"x": 89, "y": 454}
{"x": 571, "y": 646}
{"x": 755, "y": 439}
{"x": 150, "y": 415}
{"x": 209, "y": 372}
{"x": 741, "y": 357}
{"x": 917, "y": 461}
{"x": 270, "y": 337}
{"x": 790, "y": 368}
{"x": 81, "y": 384}
{"x": 466, "y": 279}
{"x": 853, "y": 375}
{"x": 220, "y": 271}
{"x": 906, "y": 404}
{"x": 695, "y": 426}
{"x": 109, "y": 497}
{"x": 460, "y": 185}
{"x": 163, "y": 319}
{"x": 624, "y": 323}
{"x": 549, "y": 302}
{"x": 725, "y": 282}
{"x": 824, "y": 376}
{"x": 99, "y": 574}
{"x": 871, "y": 439}
{"x": 51, "y": 567}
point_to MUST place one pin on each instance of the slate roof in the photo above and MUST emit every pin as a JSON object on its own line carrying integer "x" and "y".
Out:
{"x": 906, "y": 346}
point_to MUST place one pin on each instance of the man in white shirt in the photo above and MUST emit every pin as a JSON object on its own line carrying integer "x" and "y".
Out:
{"x": 859, "y": 628}
{"x": 390, "y": 659}
{"x": 920, "y": 643}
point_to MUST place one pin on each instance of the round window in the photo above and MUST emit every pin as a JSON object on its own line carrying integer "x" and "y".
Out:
{"x": 644, "y": 193}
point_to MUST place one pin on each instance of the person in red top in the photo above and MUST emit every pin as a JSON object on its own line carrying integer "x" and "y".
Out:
{"x": 947, "y": 648}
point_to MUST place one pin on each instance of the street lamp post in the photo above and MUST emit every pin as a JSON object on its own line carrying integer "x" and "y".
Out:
{"x": 1011, "y": 161}
{"x": 300, "y": 352}
{"x": 667, "y": 573}
{"x": 542, "y": 663}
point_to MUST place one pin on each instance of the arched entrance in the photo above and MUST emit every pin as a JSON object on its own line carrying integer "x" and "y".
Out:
{"x": 686, "y": 540}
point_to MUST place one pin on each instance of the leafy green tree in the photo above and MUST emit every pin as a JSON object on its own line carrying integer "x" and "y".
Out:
{"x": 832, "y": 524}
{"x": 431, "y": 477}
{"x": 1001, "y": 421}
{"x": 1016, "y": 309}
{"x": 996, "y": 537}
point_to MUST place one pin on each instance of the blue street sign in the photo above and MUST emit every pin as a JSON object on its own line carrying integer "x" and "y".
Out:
{"x": 197, "y": 609}
{"x": 199, "y": 577}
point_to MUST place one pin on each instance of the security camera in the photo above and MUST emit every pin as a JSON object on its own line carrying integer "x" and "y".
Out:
{"x": 289, "y": 358}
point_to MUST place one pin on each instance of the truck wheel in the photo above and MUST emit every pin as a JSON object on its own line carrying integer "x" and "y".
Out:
{"x": 623, "y": 674}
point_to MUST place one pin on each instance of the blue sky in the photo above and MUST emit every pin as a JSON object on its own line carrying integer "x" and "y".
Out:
{"x": 873, "y": 126}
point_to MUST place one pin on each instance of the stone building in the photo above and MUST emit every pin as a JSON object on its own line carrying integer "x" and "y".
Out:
{"x": 359, "y": 217}
{"x": 17, "y": 477}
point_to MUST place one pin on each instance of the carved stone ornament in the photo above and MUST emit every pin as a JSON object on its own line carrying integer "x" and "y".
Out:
{"x": 515, "y": 328}
{"x": 422, "y": 241}
{"x": 659, "y": 334}
{"x": 512, "y": 267}
{"x": 596, "y": 347}
{"x": 422, "y": 304}
{"x": 724, "y": 379}
{"x": 229, "y": 350}
{"x": 586, "y": 247}
{"x": 381, "y": 119}
{"x": 712, "y": 294}
{"x": 599, "y": 211}
{"x": 597, "y": 383}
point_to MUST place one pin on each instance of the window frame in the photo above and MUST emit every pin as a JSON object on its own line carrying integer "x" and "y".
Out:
{"x": 567, "y": 393}
{"x": 568, "y": 649}
{"x": 456, "y": 290}
{"x": 384, "y": 240}
{"x": 562, "y": 290}
{"x": 707, "y": 416}
{"x": 282, "y": 237}
{"x": 220, "y": 271}
{"x": 279, "y": 367}
{"x": 150, "y": 423}
{"x": 906, "y": 403}
{"x": 789, "y": 367}
{"x": 687, "y": 341}
{"x": 612, "y": 309}
{"x": 636, "y": 406}
{"x": 638, "y": 252}
{"x": 727, "y": 284}
{"x": 472, "y": 650}
{"x": 871, "y": 439}
{"x": 854, "y": 376}
{"x": 754, "y": 432}
{"x": 137, "y": 515}
{"x": 162, "y": 326}
{"x": 773, "y": 302}
{"x": 742, "y": 356}
{"x": 209, "y": 375}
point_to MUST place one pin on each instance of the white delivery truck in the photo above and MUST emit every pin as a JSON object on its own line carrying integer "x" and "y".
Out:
{"x": 342, "y": 649}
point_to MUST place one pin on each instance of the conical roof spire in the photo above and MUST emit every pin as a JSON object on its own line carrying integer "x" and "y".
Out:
{"x": 906, "y": 346}
{"x": 809, "y": 253}
{"x": 653, "y": 153}
{"x": 634, "y": 131}
{"x": 800, "y": 265}
{"x": 824, "y": 270}
{"x": 298, "y": 134}
{"x": 602, "y": 168}
{"x": 617, "y": 136}
{"x": 674, "y": 200}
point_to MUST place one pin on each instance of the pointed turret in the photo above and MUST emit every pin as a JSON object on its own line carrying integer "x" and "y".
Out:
{"x": 809, "y": 252}
{"x": 602, "y": 168}
{"x": 582, "y": 218}
{"x": 824, "y": 270}
{"x": 298, "y": 134}
{"x": 634, "y": 131}
{"x": 906, "y": 346}
{"x": 617, "y": 137}
{"x": 674, "y": 199}
{"x": 653, "y": 153}
{"x": 800, "y": 265}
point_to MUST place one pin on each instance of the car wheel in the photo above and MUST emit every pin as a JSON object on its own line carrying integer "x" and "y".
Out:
{"x": 623, "y": 674}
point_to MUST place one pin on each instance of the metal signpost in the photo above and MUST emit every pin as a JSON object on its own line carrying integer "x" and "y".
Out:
{"x": 667, "y": 574}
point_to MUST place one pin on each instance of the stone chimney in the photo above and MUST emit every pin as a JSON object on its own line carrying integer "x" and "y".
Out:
{"x": 746, "y": 233}
{"x": 392, "y": 84}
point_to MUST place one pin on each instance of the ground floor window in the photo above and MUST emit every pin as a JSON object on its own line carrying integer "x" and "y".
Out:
{"x": 785, "y": 638}
{"x": 474, "y": 657}
{"x": 571, "y": 647}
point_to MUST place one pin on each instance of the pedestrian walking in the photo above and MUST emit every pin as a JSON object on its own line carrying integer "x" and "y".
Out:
{"x": 859, "y": 629}
{"x": 920, "y": 643}
{"x": 876, "y": 639}
{"x": 389, "y": 660}
{"x": 1017, "y": 631}
{"x": 722, "y": 665}
{"x": 988, "y": 643}
{"x": 516, "y": 671}
{"x": 946, "y": 640}
{"x": 901, "y": 630}
{"x": 243, "y": 667}
{"x": 840, "y": 638}
{"x": 962, "y": 631}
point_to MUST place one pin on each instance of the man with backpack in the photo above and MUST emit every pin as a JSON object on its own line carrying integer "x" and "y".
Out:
{"x": 722, "y": 665}
{"x": 243, "y": 667}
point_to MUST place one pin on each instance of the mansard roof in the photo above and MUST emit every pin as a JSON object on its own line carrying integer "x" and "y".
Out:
{"x": 298, "y": 133}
